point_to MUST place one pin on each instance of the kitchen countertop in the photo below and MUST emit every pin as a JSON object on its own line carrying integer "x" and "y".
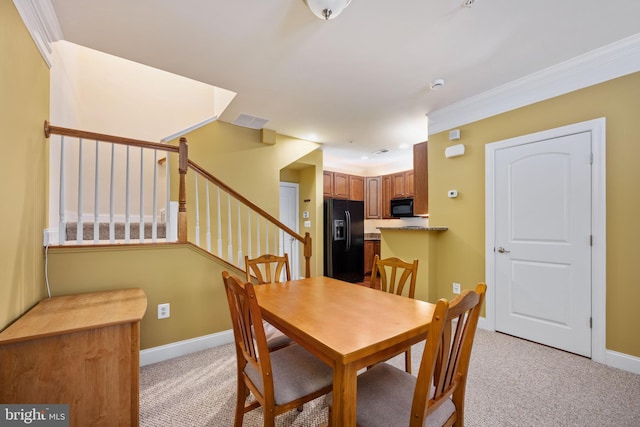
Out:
{"x": 414, "y": 227}
{"x": 371, "y": 236}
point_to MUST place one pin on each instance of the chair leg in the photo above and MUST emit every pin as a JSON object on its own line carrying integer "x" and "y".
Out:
{"x": 330, "y": 423}
{"x": 407, "y": 361}
{"x": 241, "y": 398}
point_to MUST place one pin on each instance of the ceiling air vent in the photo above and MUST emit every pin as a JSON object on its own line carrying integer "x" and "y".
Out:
{"x": 384, "y": 150}
{"x": 249, "y": 121}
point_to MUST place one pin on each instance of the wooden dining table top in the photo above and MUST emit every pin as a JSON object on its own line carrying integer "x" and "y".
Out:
{"x": 340, "y": 320}
{"x": 348, "y": 326}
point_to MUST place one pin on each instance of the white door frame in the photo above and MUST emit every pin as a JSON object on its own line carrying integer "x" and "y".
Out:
{"x": 597, "y": 128}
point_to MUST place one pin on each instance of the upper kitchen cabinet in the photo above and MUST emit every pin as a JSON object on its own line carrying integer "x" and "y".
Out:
{"x": 421, "y": 179}
{"x": 356, "y": 188}
{"x": 373, "y": 195}
{"x": 335, "y": 185}
{"x": 402, "y": 184}
{"x": 386, "y": 196}
{"x": 338, "y": 185}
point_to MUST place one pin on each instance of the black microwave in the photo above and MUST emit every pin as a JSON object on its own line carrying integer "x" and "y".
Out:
{"x": 401, "y": 208}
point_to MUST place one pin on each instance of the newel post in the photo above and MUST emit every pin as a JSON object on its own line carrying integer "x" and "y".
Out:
{"x": 183, "y": 165}
{"x": 307, "y": 254}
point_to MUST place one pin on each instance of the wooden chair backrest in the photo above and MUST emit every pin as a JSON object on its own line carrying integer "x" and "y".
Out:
{"x": 268, "y": 268}
{"x": 394, "y": 274}
{"x": 248, "y": 331}
{"x": 445, "y": 361}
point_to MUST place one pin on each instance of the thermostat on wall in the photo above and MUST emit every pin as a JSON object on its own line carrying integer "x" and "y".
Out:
{"x": 452, "y": 193}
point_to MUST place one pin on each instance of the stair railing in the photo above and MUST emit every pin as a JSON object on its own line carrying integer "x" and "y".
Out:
{"x": 241, "y": 217}
{"x": 263, "y": 233}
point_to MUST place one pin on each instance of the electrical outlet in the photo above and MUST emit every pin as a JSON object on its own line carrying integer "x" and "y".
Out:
{"x": 164, "y": 311}
{"x": 456, "y": 288}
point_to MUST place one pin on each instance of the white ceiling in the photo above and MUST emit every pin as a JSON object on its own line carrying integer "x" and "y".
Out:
{"x": 358, "y": 83}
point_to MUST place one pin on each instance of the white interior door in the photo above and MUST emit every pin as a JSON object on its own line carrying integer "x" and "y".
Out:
{"x": 542, "y": 246}
{"x": 289, "y": 217}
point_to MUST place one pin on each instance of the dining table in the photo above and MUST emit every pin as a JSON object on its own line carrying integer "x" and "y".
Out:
{"x": 346, "y": 325}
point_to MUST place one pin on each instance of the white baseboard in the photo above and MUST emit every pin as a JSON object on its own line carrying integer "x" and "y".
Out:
{"x": 612, "y": 358}
{"x": 622, "y": 361}
{"x": 180, "y": 348}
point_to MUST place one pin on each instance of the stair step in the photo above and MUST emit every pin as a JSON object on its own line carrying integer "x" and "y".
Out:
{"x": 119, "y": 231}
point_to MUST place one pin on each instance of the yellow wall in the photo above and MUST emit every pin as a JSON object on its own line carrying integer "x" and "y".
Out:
{"x": 180, "y": 274}
{"x": 24, "y": 106}
{"x": 463, "y": 244}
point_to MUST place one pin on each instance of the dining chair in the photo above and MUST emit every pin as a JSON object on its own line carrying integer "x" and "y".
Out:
{"x": 394, "y": 274}
{"x": 280, "y": 380}
{"x": 270, "y": 268}
{"x": 388, "y": 396}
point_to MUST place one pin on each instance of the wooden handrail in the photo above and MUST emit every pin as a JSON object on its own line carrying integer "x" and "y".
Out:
{"x": 244, "y": 200}
{"x": 57, "y": 130}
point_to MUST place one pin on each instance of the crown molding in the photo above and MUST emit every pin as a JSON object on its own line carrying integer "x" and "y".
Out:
{"x": 609, "y": 62}
{"x": 42, "y": 23}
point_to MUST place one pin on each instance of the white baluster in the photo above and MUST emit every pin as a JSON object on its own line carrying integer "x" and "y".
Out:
{"x": 167, "y": 216}
{"x": 230, "y": 232}
{"x": 96, "y": 200}
{"x": 276, "y": 245}
{"x": 195, "y": 177}
{"x": 258, "y": 235}
{"x": 266, "y": 235}
{"x": 219, "y": 226}
{"x": 112, "y": 233}
{"x": 127, "y": 210}
{"x": 62, "y": 226}
{"x": 79, "y": 226}
{"x": 208, "y": 236}
{"x": 154, "y": 226}
{"x": 249, "y": 231}
{"x": 141, "y": 220}
{"x": 240, "y": 256}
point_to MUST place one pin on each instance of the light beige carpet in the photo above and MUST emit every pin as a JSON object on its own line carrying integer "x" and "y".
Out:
{"x": 511, "y": 382}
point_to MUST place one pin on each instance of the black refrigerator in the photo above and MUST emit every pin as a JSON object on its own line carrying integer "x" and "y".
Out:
{"x": 344, "y": 239}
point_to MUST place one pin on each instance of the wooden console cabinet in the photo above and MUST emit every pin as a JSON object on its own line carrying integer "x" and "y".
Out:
{"x": 82, "y": 350}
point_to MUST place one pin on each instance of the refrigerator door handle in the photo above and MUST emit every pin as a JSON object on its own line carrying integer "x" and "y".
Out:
{"x": 348, "y": 231}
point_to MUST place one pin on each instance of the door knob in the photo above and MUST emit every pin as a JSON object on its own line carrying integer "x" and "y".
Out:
{"x": 503, "y": 250}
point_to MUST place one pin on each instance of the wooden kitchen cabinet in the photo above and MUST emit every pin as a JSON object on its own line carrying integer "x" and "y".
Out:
{"x": 386, "y": 196}
{"x": 356, "y": 187}
{"x": 371, "y": 249}
{"x": 373, "y": 197}
{"x": 335, "y": 185}
{"x": 339, "y": 185}
{"x": 396, "y": 186}
{"x": 402, "y": 184}
{"x": 82, "y": 350}
{"x": 421, "y": 179}
{"x": 327, "y": 183}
